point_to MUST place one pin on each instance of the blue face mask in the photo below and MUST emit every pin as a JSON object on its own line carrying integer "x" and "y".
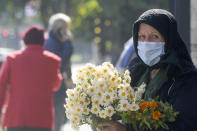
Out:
{"x": 150, "y": 52}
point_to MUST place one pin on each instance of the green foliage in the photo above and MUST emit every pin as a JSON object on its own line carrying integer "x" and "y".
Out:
{"x": 146, "y": 120}
{"x": 12, "y": 10}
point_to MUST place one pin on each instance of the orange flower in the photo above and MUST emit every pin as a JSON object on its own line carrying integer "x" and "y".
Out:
{"x": 156, "y": 115}
{"x": 144, "y": 105}
{"x": 153, "y": 104}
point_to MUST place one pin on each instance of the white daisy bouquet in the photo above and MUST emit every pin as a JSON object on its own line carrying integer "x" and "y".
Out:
{"x": 101, "y": 94}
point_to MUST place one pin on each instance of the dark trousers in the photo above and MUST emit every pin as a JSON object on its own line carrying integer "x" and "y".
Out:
{"x": 26, "y": 129}
{"x": 59, "y": 101}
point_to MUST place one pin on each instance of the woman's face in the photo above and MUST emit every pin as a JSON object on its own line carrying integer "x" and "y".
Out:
{"x": 149, "y": 34}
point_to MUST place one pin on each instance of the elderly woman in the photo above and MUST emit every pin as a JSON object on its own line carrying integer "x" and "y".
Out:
{"x": 165, "y": 65}
{"x": 59, "y": 42}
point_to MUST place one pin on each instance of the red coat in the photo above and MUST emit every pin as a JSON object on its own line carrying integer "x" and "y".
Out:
{"x": 30, "y": 77}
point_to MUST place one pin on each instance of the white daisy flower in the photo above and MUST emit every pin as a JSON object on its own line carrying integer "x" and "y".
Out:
{"x": 82, "y": 102}
{"x": 113, "y": 78}
{"x": 121, "y": 86}
{"x": 122, "y": 94}
{"x": 95, "y": 109}
{"x": 103, "y": 102}
{"x": 140, "y": 91}
{"x": 105, "y": 70}
{"x": 108, "y": 64}
{"x": 124, "y": 105}
{"x": 126, "y": 73}
{"x": 101, "y": 84}
{"x": 109, "y": 111}
{"x": 128, "y": 88}
{"x": 118, "y": 80}
{"x": 115, "y": 73}
{"x": 77, "y": 89}
{"x": 110, "y": 90}
{"x": 102, "y": 114}
{"x": 127, "y": 80}
{"x": 71, "y": 105}
{"x": 91, "y": 91}
{"x": 99, "y": 93}
{"x": 70, "y": 93}
{"x": 82, "y": 96}
{"x": 86, "y": 111}
{"x": 90, "y": 67}
{"x": 75, "y": 118}
{"x": 134, "y": 107}
{"x": 108, "y": 97}
{"x": 79, "y": 110}
{"x": 96, "y": 101}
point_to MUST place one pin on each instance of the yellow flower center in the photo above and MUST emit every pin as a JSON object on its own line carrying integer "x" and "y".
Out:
{"x": 81, "y": 102}
{"x": 113, "y": 79}
{"x": 105, "y": 70}
{"x": 95, "y": 109}
{"x": 109, "y": 111}
{"x": 99, "y": 93}
{"x": 66, "y": 106}
{"x": 110, "y": 90}
{"x": 134, "y": 107}
{"x": 91, "y": 90}
{"x": 124, "y": 105}
{"x": 102, "y": 114}
{"x": 85, "y": 110}
{"x": 96, "y": 102}
{"x": 78, "y": 109}
{"x": 101, "y": 85}
{"x": 108, "y": 97}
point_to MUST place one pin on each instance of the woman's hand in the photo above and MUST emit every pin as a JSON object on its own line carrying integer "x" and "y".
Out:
{"x": 112, "y": 126}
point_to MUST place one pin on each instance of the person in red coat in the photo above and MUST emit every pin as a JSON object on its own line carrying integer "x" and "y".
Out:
{"x": 28, "y": 80}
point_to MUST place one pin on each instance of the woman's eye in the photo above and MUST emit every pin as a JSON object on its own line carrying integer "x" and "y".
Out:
{"x": 155, "y": 36}
{"x": 141, "y": 37}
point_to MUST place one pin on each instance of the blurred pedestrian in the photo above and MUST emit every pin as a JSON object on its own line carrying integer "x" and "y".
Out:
{"x": 126, "y": 56}
{"x": 29, "y": 78}
{"x": 59, "y": 41}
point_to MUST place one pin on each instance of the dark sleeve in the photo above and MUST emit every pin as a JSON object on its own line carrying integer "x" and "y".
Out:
{"x": 52, "y": 46}
{"x": 184, "y": 100}
{"x": 49, "y": 46}
{"x": 68, "y": 51}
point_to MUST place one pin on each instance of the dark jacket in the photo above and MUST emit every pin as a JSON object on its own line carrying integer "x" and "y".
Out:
{"x": 180, "y": 87}
{"x": 64, "y": 50}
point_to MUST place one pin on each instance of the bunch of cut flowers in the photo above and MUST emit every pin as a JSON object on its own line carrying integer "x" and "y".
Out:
{"x": 101, "y": 94}
{"x": 152, "y": 115}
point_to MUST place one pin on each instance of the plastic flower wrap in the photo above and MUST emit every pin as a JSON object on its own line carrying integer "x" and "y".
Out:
{"x": 153, "y": 114}
{"x": 101, "y": 94}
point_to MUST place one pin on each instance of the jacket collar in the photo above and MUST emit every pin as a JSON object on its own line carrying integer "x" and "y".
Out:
{"x": 34, "y": 47}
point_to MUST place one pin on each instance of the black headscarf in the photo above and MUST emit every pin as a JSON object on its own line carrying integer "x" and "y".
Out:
{"x": 176, "y": 52}
{"x": 176, "y": 59}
